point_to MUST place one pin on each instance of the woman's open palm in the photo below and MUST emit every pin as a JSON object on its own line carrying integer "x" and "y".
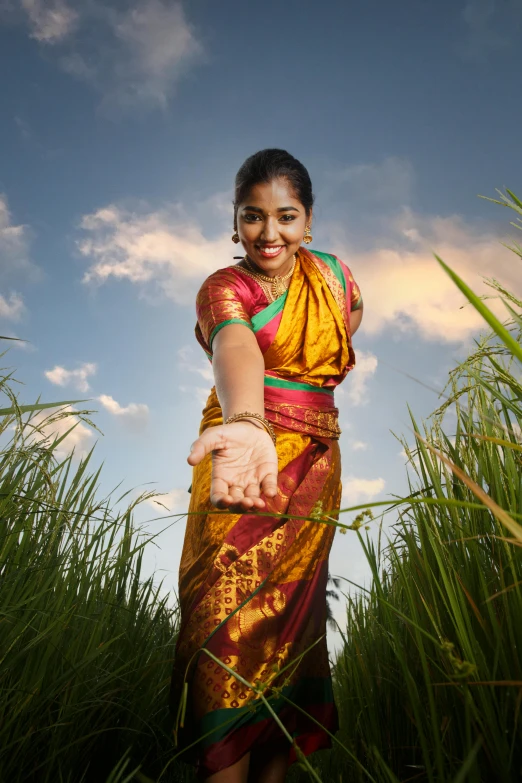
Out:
{"x": 244, "y": 465}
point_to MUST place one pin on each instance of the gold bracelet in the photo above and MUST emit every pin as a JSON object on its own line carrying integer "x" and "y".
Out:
{"x": 257, "y": 416}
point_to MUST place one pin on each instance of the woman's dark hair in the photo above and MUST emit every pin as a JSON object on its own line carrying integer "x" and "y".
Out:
{"x": 266, "y": 165}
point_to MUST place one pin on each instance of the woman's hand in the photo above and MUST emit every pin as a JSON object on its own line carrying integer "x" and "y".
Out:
{"x": 244, "y": 464}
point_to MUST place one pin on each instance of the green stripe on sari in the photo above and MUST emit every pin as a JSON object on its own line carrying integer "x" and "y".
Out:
{"x": 334, "y": 265}
{"x": 226, "y": 323}
{"x": 265, "y": 316}
{"x": 282, "y": 384}
{"x": 218, "y": 723}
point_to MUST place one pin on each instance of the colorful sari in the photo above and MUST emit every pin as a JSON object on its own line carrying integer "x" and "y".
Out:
{"x": 252, "y": 588}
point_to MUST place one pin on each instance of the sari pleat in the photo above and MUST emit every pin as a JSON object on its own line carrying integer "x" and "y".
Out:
{"x": 252, "y": 587}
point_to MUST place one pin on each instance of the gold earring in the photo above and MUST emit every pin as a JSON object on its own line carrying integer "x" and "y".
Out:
{"x": 235, "y": 237}
{"x": 307, "y": 236}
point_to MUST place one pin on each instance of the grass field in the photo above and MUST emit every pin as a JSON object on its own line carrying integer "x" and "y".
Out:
{"x": 429, "y": 680}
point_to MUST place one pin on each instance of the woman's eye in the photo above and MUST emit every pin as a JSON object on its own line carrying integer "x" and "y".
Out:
{"x": 251, "y": 217}
{"x": 287, "y": 218}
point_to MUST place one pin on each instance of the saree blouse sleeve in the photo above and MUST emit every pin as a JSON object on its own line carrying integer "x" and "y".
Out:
{"x": 222, "y": 299}
{"x": 353, "y": 292}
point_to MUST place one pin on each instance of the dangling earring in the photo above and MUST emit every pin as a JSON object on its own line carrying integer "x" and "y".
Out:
{"x": 235, "y": 237}
{"x": 307, "y": 236}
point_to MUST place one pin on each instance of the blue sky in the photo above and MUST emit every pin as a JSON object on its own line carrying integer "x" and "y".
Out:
{"x": 123, "y": 125}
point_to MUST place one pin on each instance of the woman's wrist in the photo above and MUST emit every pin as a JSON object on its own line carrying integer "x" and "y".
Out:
{"x": 254, "y": 418}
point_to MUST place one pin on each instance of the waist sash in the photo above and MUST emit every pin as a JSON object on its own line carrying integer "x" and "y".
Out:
{"x": 301, "y": 407}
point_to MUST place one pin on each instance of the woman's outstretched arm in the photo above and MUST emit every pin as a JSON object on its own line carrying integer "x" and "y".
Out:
{"x": 244, "y": 459}
{"x": 239, "y": 371}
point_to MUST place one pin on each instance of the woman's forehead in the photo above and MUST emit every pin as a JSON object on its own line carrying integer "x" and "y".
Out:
{"x": 278, "y": 190}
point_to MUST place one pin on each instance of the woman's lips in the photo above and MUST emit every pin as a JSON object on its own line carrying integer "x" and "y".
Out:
{"x": 270, "y": 251}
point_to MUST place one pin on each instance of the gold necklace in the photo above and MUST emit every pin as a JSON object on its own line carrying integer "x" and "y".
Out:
{"x": 274, "y": 287}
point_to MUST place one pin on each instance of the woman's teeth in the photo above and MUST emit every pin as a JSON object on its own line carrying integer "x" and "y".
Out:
{"x": 271, "y": 251}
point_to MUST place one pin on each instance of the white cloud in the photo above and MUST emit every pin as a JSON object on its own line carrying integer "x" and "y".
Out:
{"x": 159, "y": 251}
{"x": 200, "y": 393}
{"x": 133, "y": 52}
{"x": 79, "y": 439}
{"x": 50, "y": 21}
{"x": 356, "y": 386}
{"x": 359, "y": 490}
{"x": 405, "y": 290}
{"x": 12, "y": 308}
{"x": 77, "y": 378}
{"x": 176, "y": 502}
{"x": 136, "y": 411}
{"x": 188, "y": 364}
{"x": 156, "y": 44}
{"x": 14, "y": 246}
{"x": 165, "y": 254}
{"x": 358, "y": 445}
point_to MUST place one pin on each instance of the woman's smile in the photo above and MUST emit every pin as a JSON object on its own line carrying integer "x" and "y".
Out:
{"x": 270, "y": 251}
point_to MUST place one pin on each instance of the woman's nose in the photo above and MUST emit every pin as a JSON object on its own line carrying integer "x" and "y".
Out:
{"x": 270, "y": 230}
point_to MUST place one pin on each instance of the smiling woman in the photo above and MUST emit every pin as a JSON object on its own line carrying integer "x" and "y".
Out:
{"x": 277, "y": 328}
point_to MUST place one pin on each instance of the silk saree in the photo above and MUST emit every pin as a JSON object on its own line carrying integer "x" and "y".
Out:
{"x": 252, "y": 587}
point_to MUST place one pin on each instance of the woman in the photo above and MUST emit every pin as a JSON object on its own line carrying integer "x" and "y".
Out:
{"x": 277, "y": 328}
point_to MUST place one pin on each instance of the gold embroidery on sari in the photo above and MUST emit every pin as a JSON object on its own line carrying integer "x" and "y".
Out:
{"x": 218, "y": 302}
{"x": 335, "y": 286}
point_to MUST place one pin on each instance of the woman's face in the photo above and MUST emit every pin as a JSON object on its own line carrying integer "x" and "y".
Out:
{"x": 271, "y": 224}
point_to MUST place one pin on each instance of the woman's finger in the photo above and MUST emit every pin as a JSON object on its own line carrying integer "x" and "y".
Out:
{"x": 208, "y": 441}
{"x": 252, "y": 491}
{"x": 219, "y": 493}
{"x": 269, "y": 485}
{"x": 236, "y": 493}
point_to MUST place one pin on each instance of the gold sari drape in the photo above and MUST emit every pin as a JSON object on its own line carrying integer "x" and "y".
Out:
{"x": 252, "y": 586}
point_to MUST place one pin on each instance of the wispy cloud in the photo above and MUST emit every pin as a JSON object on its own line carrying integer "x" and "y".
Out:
{"x": 77, "y": 378}
{"x": 358, "y": 445}
{"x": 162, "y": 252}
{"x": 14, "y": 247}
{"x": 79, "y": 439}
{"x": 358, "y": 490}
{"x": 50, "y": 21}
{"x": 133, "y": 53}
{"x": 136, "y": 412}
{"x": 357, "y": 387}
{"x": 187, "y": 363}
{"x": 389, "y": 247}
{"x": 199, "y": 393}
{"x": 12, "y": 307}
{"x": 405, "y": 290}
{"x": 489, "y": 26}
{"x": 156, "y": 45}
{"x": 176, "y": 502}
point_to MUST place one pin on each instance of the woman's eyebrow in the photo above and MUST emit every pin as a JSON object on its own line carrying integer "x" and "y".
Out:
{"x": 281, "y": 209}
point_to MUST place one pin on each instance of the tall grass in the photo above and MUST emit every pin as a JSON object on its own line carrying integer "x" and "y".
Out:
{"x": 86, "y": 641}
{"x": 429, "y": 680}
